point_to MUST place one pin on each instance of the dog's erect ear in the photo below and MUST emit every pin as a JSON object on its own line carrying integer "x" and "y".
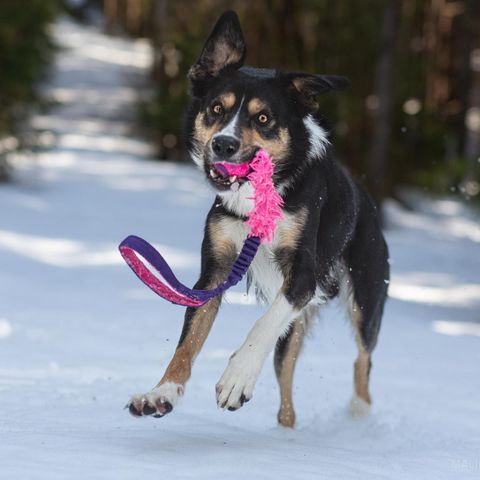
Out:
{"x": 225, "y": 47}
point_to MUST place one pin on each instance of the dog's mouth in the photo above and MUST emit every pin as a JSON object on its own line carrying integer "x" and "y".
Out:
{"x": 229, "y": 176}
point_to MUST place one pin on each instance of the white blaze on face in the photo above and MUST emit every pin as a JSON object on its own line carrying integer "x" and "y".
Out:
{"x": 230, "y": 128}
{"x": 197, "y": 152}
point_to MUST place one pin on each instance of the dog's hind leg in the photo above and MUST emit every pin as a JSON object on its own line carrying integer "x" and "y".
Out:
{"x": 365, "y": 317}
{"x": 361, "y": 400}
{"x": 287, "y": 351}
{"x": 286, "y": 354}
{"x": 365, "y": 292}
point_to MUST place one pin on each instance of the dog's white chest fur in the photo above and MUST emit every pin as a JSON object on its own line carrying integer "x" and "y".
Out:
{"x": 241, "y": 201}
{"x": 265, "y": 274}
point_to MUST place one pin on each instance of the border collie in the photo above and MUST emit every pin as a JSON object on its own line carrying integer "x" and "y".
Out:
{"x": 328, "y": 244}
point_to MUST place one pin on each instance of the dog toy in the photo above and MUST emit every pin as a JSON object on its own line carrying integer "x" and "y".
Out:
{"x": 261, "y": 220}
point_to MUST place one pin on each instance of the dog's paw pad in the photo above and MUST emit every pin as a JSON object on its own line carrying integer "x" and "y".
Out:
{"x": 133, "y": 409}
{"x": 148, "y": 409}
{"x": 157, "y": 403}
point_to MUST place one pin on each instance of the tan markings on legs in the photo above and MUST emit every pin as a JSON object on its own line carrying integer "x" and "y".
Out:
{"x": 284, "y": 371}
{"x": 361, "y": 374}
{"x": 224, "y": 248}
{"x": 180, "y": 367}
{"x": 363, "y": 363}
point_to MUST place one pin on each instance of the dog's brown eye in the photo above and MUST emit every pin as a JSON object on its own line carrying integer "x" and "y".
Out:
{"x": 263, "y": 118}
{"x": 217, "y": 109}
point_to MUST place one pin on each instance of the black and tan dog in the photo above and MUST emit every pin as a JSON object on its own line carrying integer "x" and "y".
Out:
{"x": 328, "y": 244}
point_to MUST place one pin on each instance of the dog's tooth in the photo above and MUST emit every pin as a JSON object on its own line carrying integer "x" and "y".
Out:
{"x": 232, "y": 178}
{"x": 235, "y": 186}
{"x": 213, "y": 173}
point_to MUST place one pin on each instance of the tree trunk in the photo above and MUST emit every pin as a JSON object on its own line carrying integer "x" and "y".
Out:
{"x": 160, "y": 26}
{"x": 382, "y": 125}
{"x": 110, "y": 10}
{"x": 465, "y": 76}
{"x": 471, "y": 148}
{"x": 3, "y": 169}
{"x": 471, "y": 139}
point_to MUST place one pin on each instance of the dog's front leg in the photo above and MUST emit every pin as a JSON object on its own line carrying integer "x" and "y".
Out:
{"x": 164, "y": 396}
{"x": 216, "y": 263}
{"x": 237, "y": 382}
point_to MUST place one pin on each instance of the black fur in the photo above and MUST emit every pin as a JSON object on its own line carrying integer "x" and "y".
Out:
{"x": 330, "y": 243}
{"x": 342, "y": 238}
{"x": 342, "y": 234}
{"x": 281, "y": 350}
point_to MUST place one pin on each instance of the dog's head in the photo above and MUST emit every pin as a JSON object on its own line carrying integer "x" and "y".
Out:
{"x": 237, "y": 110}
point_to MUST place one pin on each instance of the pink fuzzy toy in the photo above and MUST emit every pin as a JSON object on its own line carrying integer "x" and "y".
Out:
{"x": 267, "y": 202}
{"x": 261, "y": 220}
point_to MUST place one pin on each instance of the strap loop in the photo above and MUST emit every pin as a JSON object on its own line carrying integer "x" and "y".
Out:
{"x": 171, "y": 288}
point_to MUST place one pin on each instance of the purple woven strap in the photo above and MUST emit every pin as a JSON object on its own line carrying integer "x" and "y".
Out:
{"x": 171, "y": 288}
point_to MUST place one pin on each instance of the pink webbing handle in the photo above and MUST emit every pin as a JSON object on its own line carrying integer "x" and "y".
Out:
{"x": 168, "y": 286}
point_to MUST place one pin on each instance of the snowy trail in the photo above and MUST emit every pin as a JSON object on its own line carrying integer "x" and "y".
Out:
{"x": 79, "y": 334}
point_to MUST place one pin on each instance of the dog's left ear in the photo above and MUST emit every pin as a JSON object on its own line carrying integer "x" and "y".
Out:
{"x": 310, "y": 86}
{"x": 225, "y": 47}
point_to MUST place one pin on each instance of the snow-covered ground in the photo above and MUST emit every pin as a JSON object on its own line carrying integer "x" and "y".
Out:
{"x": 79, "y": 334}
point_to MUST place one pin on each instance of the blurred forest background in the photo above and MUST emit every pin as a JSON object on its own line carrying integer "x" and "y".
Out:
{"x": 412, "y": 116}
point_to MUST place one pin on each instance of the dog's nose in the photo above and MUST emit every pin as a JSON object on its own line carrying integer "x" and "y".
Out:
{"x": 225, "y": 146}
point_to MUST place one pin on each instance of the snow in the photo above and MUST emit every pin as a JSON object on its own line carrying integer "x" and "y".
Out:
{"x": 79, "y": 334}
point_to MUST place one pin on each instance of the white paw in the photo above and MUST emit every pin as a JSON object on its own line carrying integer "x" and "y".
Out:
{"x": 358, "y": 407}
{"x": 235, "y": 387}
{"x": 158, "y": 402}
